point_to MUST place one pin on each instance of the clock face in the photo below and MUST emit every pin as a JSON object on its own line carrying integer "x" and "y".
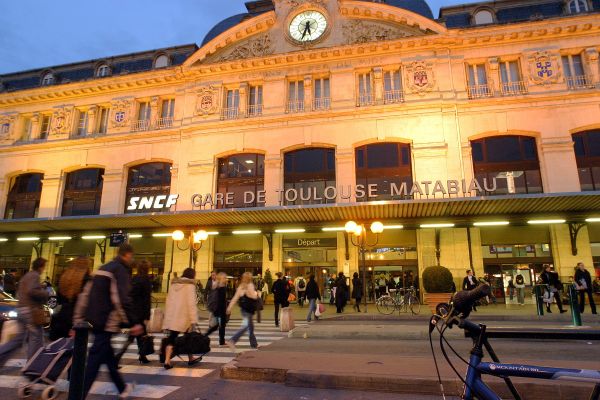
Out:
{"x": 308, "y": 26}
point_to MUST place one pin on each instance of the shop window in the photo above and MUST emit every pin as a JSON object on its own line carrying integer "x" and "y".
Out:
{"x": 509, "y": 161}
{"x": 307, "y": 172}
{"x": 83, "y": 192}
{"x": 383, "y": 164}
{"x": 587, "y": 154}
{"x": 148, "y": 180}
{"x": 24, "y": 196}
{"x": 244, "y": 176}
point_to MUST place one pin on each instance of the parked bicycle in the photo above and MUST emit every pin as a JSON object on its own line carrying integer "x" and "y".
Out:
{"x": 456, "y": 313}
{"x": 401, "y": 299}
{"x": 201, "y": 298}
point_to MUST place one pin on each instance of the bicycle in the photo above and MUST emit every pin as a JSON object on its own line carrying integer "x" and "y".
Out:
{"x": 456, "y": 313}
{"x": 399, "y": 299}
{"x": 201, "y": 299}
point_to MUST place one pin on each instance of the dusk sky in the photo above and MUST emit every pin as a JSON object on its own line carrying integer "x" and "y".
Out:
{"x": 39, "y": 33}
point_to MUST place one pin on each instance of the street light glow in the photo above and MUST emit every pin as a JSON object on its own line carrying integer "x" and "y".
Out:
{"x": 546, "y": 221}
{"x": 350, "y": 226}
{"x": 439, "y": 225}
{"x": 200, "y": 236}
{"x": 247, "y": 232}
{"x": 290, "y": 230}
{"x": 491, "y": 223}
{"x": 177, "y": 235}
{"x": 377, "y": 227}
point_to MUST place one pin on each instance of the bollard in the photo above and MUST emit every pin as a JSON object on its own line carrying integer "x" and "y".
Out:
{"x": 574, "y": 304}
{"x": 539, "y": 299}
{"x": 76, "y": 379}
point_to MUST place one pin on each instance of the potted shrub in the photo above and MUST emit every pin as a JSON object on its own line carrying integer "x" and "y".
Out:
{"x": 437, "y": 282}
{"x": 268, "y": 278}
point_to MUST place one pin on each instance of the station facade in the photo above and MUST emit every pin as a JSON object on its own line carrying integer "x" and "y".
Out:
{"x": 474, "y": 138}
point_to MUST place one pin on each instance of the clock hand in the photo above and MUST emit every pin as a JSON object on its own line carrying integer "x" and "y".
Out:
{"x": 306, "y": 29}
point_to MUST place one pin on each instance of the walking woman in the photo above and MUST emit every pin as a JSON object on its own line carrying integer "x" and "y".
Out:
{"x": 141, "y": 296}
{"x": 70, "y": 286}
{"x": 312, "y": 294}
{"x": 357, "y": 291}
{"x": 217, "y": 303}
{"x": 180, "y": 312}
{"x": 341, "y": 293}
{"x": 246, "y": 296}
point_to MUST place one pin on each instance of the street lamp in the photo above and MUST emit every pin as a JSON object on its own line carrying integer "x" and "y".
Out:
{"x": 358, "y": 237}
{"x": 195, "y": 240}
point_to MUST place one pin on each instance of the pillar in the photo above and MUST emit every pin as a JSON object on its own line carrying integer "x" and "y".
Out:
{"x": 354, "y": 262}
{"x": 204, "y": 259}
{"x": 50, "y": 197}
{"x": 378, "y": 85}
{"x": 564, "y": 260}
{"x": 273, "y": 179}
{"x": 34, "y": 132}
{"x": 276, "y": 263}
{"x": 591, "y": 65}
{"x": 494, "y": 74}
{"x": 243, "y": 102}
{"x": 92, "y": 114}
{"x": 308, "y": 93}
{"x": 113, "y": 201}
{"x": 345, "y": 173}
{"x": 559, "y": 151}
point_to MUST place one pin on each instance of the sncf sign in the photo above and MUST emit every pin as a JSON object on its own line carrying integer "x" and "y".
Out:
{"x": 159, "y": 202}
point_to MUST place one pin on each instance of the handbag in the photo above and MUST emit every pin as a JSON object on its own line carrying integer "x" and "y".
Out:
{"x": 247, "y": 304}
{"x": 291, "y": 297}
{"x": 192, "y": 343}
{"x": 38, "y": 316}
{"x": 146, "y": 345}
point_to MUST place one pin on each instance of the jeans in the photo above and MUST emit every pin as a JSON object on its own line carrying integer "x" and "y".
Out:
{"x": 521, "y": 295}
{"x": 582, "y": 300}
{"x": 312, "y": 307}
{"x": 247, "y": 325}
{"x": 29, "y": 333}
{"x": 100, "y": 353}
{"x": 221, "y": 323}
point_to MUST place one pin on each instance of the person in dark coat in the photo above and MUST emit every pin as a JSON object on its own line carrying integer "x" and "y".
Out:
{"x": 552, "y": 279}
{"x": 341, "y": 292}
{"x": 312, "y": 295}
{"x": 357, "y": 291}
{"x": 141, "y": 295}
{"x": 10, "y": 284}
{"x": 583, "y": 281}
{"x": 217, "y": 303}
{"x": 470, "y": 283}
{"x": 281, "y": 292}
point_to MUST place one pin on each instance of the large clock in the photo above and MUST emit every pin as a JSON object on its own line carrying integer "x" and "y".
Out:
{"x": 308, "y": 26}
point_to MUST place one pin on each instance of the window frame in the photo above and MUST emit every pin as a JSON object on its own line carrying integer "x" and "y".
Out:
{"x": 76, "y": 195}
{"x": 103, "y": 70}
{"x": 103, "y": 114}
{"x": 294, "y": 179}
{"x": 480, "y": 10}
{"x": 255, "y": 100}
{"x": 322, "y": 96}
{"x": 48, "y": 78}
{"x": 224, "y": 183}
{"x": 586, "y": 161}
{"x": 81, "y": 129}
{"x": 160, "y": 57}
{"x": 365, "y": 90}
{"x": 296, "y": 97}
{"x": 20, "y": 198}
{"x": 145, "y": 190}
{"x": 45, "y": 126}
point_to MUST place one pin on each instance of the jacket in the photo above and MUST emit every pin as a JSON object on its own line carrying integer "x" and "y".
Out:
{"x": 31, "y": 294}
{"x": 248, "y": 290}
{"x": 281, "y": 291}
{"x": 141, "y": 295}
{"x": 180, "y": 308}
{"x": 220, "y": 307}
{"x": 312, "y": 290}
{"x": 105, "y": 301}
{"x": 467, "y": 285}
{"x": 585, "y": 276}
{"x": 551, "y": 278}
{"x": 357, "y": 288}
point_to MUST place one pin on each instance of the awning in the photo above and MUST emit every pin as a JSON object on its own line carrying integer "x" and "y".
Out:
{"x": 515, "y": 208}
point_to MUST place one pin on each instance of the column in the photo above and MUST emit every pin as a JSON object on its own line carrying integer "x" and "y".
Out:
{"x": 154, "y": 111}
{"x": 204, "y": 259}
{"x": 564, "y": 260}
{"x": 308, "y": 93}
{"x": 591, "y": 65}
{"x": 4, "y": 188}
{"x": 558, "y": 165}
{"x": 51, "y": 196}
{"x": 243, "y": 105}
{"x": 354, "y": 262}
{"x": 378, "y": 85}
{"x": 494, "y": 77}
{"x": 345, "y": 174}
{"x": 273, "y": 179}
{"x": 276, "y": 264}
{"x": 199, "y": 179}
{"x": 47, "y": 252}
{"x": 113, "y": 197}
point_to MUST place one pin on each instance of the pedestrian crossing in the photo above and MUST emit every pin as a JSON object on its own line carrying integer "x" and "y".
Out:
{"x": 145, "y": 375}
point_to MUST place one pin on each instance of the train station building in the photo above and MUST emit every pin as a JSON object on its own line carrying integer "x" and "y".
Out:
{"x": 474, "y": 137}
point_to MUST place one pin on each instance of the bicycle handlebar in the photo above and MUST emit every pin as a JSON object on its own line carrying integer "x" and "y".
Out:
{"x": 464, "y": 300}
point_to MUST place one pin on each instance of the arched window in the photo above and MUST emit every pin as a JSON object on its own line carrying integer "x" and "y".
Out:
{"x": 83, "y": 192}
{"x": 24, "y": 196}
{"x": 577, "y": 6}
{"x": 103, "y": 70}
{"x": 510, "y": 161}
{"x": 48, "y": 79}
{"x": 483, "y": 17}
{"x": 383, "y": 164}
{"x": 587, "y": 153}
{"x": 161, "y": 61}
{"x": 307, "y": 172}
{"x": 147, "y": 180}
{"x": 241, "y": 173}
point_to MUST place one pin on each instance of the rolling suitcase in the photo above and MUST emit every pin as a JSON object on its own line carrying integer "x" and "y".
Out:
{"x": 286, "y": 322}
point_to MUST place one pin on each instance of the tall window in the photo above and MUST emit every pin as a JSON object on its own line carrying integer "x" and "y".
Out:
{"x": 321, "y": 96}
{"x": 103, "y": 70}
{"x": 295, "y": 101}
{"x": 478, "y": 84}
{"x": 26, "y": 129}
{"x": 309, "y": 172}
{"x": 24, "y": 196}
{"x": 45, "y": 126}
{"x": 383, "y": 164}
{"x": 83, "y": 192}
{"x": 392, "y": 87}
{"x": 143, "y": 120}
{"x": 574, "y": 72}
{"x": 231, "y": 108}
{"x": 587, "y": 153}
{"x": 48, "y": 79}
{"x": 365, "y": 89}
{"x": 511, "y": 80}
{"x": 82, "y": 123}
{"x": 146, "y": 180}
{"x": 241, "y": 173}
{"x": 167, "y": 111}
{"x": 103, "y": 113}
{"x": 577, "y": 6}
{"x": 510, "y": 161}
{"x": 255, "y": 100}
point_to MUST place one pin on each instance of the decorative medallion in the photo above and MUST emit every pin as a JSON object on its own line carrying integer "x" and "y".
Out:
{"x": 258, "y": 47}
{"x": 543, "y": 68}
{"x": 6, "y": 122}
{"x": 419, "y": 77}
{"x": 357, "y": 32}
{"x": 207, "y": 101}
{"x": 121, "y": 110}
{"x": 61, "y": 121}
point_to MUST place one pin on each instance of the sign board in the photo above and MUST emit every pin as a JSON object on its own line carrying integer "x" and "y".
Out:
{"x": 116, "y": 239}
{"x": 309, "y": 242}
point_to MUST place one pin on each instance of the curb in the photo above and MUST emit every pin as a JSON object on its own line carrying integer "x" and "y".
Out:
{"x": 529, "y": 390}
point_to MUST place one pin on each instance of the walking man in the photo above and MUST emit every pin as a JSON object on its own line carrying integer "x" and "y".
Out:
{"x": 583, "y": 282}
{"x": 106, "y": 304}
{"x": 551, "y": 279}
{"x": 281, "y": 292}
{"x": 470, "y": 283}
{"x": 300, "y": 285}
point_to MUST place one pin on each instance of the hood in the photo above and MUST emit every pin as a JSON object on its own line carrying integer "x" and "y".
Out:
{"x": 178, "y": 283}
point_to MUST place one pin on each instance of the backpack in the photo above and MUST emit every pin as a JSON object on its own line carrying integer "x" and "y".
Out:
{"x": 301, "y": 284}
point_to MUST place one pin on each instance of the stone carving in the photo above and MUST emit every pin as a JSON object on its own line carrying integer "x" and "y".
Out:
{"x": 207, "y": 100}
{"x": 296, "y": 3}
{"x": 257, "y": 47}
{"x": 62, "y": 119}
{"x": 544, "y": 68}
{"x": 121, "y": 113}
{"x": 6, "y": 123}
{"x": 364, "y": 32}
{"x": 419, "y": 77}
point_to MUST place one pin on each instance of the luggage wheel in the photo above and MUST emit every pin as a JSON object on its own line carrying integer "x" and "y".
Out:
{"x": 24, "y": 392}
{"x": 49, "y": 393}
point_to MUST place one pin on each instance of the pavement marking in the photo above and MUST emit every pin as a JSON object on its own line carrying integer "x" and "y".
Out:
{"x": 147, "y": 370}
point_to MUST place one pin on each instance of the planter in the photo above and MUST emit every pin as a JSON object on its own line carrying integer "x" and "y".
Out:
{"x": 433, "y": 299}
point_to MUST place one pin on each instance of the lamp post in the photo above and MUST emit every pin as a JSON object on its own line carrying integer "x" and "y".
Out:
{"x": 195, "y": 240}
{"x": 358, "y": 237}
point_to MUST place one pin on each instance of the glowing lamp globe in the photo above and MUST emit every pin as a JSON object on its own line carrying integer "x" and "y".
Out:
{"x": 350, "y": 226}
{"x": 178, "y": 235}
{"x": 376, "y": 227}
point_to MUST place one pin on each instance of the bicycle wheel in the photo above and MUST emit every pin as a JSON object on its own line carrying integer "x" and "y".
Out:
{"x": 386, "y": 305}
{"x": 415, "y": 305}
{"x": 402, "y": 304}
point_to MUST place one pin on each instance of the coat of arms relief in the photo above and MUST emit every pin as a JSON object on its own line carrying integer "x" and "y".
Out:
{"x": 544, "y": 67}
{"x": 121, "y": 113}
{"x": 207, "y": 100}
{"x": 419, "y": 77}
{"x": 62, "y": 120}
{"x": 6, "y": 124}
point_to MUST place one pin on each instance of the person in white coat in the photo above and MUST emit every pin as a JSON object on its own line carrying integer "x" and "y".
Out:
{"x": 180, "y": 312}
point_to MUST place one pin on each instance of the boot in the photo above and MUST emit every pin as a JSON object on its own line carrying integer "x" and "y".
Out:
{"x": 548, "y": 310}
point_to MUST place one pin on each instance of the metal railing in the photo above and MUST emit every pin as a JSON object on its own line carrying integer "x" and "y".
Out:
{"x": 230, "y": 113}
{"x": 479, "y": 91}
{"x": 295, "y": 106}
{"x": 579, "y": 82}
{"x": 255, "y": 110}
{"x": 322, "y": 103}
{"x": 514, "y": 88}
{"x": 140, "y": 125}
{"x": 393, "y": 96}
{"x": 365, "y": 99}
{"x": 164, "y": 123}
